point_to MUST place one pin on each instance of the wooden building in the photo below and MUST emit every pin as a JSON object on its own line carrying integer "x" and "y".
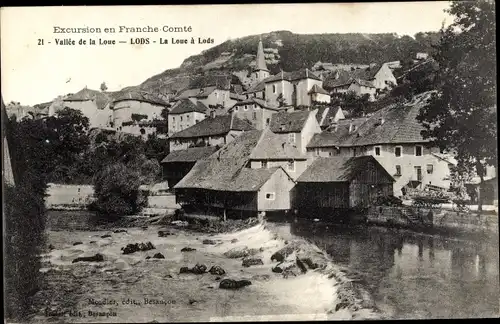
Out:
{"x": 225, "y": 184}
{"x": 341, "y": 183}
{"x": 177, "y": 164}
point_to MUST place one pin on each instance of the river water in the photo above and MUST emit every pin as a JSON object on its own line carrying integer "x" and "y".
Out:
{"x": 412, "y": 275}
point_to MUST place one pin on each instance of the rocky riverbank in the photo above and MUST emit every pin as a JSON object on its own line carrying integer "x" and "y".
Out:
{"x": 163, "y": 270}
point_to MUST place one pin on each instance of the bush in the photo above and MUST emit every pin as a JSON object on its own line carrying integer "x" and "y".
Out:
{"x": 388, "y": 201}
{"x": 116, "y": 189}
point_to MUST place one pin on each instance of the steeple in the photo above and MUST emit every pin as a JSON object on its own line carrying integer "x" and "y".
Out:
{"x": 261, "y": 60}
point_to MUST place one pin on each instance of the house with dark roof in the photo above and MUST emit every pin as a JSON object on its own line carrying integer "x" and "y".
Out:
{"x": 212, "y": 131}
{"x": 184, "y": 114}
{"x": 298, "y": 126}
{"x": 337, "y": 184}
{"x": 328, "y": 115}
{"x": 95, "y": 105}
{"x": 177, "y": 164}
{"x": 256, "y": 111}
{"x": 293, "y": 87}
{"x": 225, "y": 184}
{"x": 210, "y": 96}
{"x": 393, "y": 136}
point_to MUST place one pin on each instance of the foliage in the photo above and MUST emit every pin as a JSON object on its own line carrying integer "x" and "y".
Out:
{"x": 138, "y": 117}
{"x": 417, "y": 80}
{"x": 156, "y": 148}
{"x": 354, "y": 104}
{"x": 116, "y": 189}
{"x": 104, "y": 87}
{"x": 281, "y": 101}
{"x": 462, "y": 115}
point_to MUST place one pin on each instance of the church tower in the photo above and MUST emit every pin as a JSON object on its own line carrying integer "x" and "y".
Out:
{"x": 260, "y": 71}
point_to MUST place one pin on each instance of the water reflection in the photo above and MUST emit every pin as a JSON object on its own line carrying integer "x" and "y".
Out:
{"x": 417, "y": 275}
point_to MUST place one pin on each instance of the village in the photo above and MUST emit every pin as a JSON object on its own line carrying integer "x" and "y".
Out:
{"x": 281, "y": 146}
{"x": 281, "y": 175}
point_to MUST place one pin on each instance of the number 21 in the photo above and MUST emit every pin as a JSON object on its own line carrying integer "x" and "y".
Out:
{"x": 40, "y": 41}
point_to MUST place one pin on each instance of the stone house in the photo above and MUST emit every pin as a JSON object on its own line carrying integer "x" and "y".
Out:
{"x": 211, "y": 131}
{"x": 184, "y": 114}
{"x": 298, "y": 126}
{"x": 392, "y": 136}
{"x": 293, "y": 87}
{"x": 210, "y": 96}
{"x": 318, "y": 94}
{"x": 256, "y": 111}
{"x": 95, "y": 105}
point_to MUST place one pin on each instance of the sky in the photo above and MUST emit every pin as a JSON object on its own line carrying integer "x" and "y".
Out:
{"x": 33, "y": 73}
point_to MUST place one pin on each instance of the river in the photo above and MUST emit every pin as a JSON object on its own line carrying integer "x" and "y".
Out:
{"x": 412, "y": 275}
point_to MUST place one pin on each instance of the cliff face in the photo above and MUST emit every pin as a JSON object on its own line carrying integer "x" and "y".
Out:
{"x": 287, "y": 51}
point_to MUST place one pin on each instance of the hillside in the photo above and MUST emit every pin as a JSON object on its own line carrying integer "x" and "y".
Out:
{"x": 289, "y": 52}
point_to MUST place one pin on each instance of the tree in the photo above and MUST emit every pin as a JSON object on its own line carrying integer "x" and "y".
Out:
{"x": 354, "y": 104}
{"x": 104, "y": 87}
{"x": 281, "y": 101}
{"x": 461, "y": 115}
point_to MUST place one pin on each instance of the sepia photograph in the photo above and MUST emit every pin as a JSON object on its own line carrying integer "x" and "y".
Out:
{"x": 253, "y": 162}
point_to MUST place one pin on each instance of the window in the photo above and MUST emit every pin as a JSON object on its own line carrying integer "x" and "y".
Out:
{"x": 274, "y": 88}
{"x": 378, "y": 150}
{"x": 291, "y": 137}
{"x": 430, "y": 168}
{"x": 245, "y": 108}
{"x": 187, "y": 117}
{"x": 317, "y": 151}
{"x": 264, "y": 164}
{"x": 329, "y": 153}
{"x": 270, "y": 195}
{"x": 236, "y": 108}
{"x": 254, "y": 115}
{"x": 181, "y": 118}
{"x": 173, "y": 118}
{"x": 398, "y": 151}
{"x": 291, "y": 166}
{"x": 196, "y": 121}
{"x": 268, "y": 120}
{"x": 418, "y": 150}
{"x": 418, "y": 173}
{"x": 398, "y": 170}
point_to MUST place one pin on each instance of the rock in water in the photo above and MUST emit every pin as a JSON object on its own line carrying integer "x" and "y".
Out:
{"x": 95, "y": 258}
{"x": 187, "y": 249}
{"x": 301, "y": 265}
{"x": 209, "y": 242}
{"x": 283, "y": 266}
{"x": 234, "y": 240}
{"x": 148, "y": 257}
{"x": 77, "y": 243}
{"x": 199, "y": 269}
{"x": 106, "y": 236}
{"x": 234, "y": 284}
{"x": 277, "y": 257}
{"x": 158, "y": 256}
{"x": 120, "y": 231}
{"x": 217, "y": 270}
{"x": 242, "y": 252}
{"x": 247, "y": 262}
{"x": 131, "y": 248}
{"x": 184, "y": 270}
{"x": 163, "y": 233}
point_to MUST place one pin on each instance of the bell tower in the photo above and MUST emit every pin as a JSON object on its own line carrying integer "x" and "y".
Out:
{"x": 260, "y": 71}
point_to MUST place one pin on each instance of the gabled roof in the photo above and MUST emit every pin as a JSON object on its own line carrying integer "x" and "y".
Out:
{"x": 257, "y": 101}
{"x": 138, "y": 95}
{"x": 293, "y": 122}
{"x": 364, "y": 83}
{"x": 220, "y": 170}
{"x": 339, "y": 169}
{"x": 218, "y": 125}
{"x": 261, "y": 86}
{"x": 186, "y": 106}
{"x": 330, "y": 113}
{"x": 340, "y": 77}
{"x": 336, "y": 134}
{"x": 196, "y": 93}
{"x": 192, "y": 154}
{"x": 317, "y": 89}
{"x": 393, "y": 124}
{"x": 291, "y": 76}
{"x": 101, "y": 98}
{"x": 272, "y": 146}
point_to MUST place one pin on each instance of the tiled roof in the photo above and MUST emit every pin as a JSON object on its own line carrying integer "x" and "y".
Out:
{"x": 218, "y": 125}
{"x": 338, "y": 169}
{"x": 336, "y": 134}
{"x": 257, "y": 101}
{"x": 317, "y": 89}
{"x": 284, "y": 122}
{"x": 364, "y": 83}
{"x": 342, "y": 77}
{"x": 192, "y": 154}
{"x": 138, "y": 95}
{"x": 198, "y": 93}
{"x": 275, "y": 146}
{"x": 261, "y": 86}
{"x": 331, "y": 113}
{"x": 186, "y": 105}
{"x": 291, "y": 76}
{"x": 236, "y": 96}
{"x": 221, "y": 170}
{"x": 395, "y": 123}
{"x": 101, "y": 98}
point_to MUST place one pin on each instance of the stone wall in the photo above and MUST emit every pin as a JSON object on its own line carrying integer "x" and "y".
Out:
{"x": 62, "y": 195}
{"x": 441, "y": 218}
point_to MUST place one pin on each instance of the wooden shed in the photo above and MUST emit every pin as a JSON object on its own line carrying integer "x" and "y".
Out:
{"x": 340, "y": 184}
